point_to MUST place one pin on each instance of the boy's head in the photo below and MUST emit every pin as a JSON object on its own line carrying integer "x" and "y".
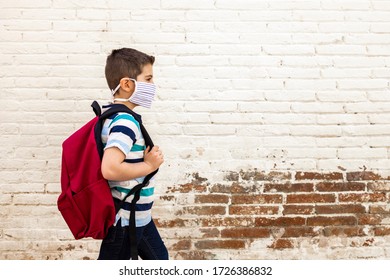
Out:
{"x": 125, "y": 62}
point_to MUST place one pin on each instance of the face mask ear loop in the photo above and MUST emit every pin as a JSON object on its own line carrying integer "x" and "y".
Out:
{"x": 119, "y": 99}
{"x": 115, "y": 90}
{"x": 122, "y": 99}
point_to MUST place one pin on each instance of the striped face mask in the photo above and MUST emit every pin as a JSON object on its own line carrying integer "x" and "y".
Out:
{"x": 143, "y": 94}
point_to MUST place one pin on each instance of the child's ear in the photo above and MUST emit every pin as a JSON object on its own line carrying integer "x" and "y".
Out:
{"x": 127, "y": 85}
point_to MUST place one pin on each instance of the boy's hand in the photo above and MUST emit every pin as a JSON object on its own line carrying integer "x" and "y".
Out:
{"x": 154, "y": 158}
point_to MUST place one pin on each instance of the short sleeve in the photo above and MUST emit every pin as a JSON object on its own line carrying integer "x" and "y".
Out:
{"x": 122, "y": 133}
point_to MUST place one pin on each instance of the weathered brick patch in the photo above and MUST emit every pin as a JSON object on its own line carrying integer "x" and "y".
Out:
{"x": 245, "y": 215}
{"x": 253, "y": 210}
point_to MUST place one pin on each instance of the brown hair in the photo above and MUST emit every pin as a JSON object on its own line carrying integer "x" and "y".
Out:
{"x": 125, "y": 62}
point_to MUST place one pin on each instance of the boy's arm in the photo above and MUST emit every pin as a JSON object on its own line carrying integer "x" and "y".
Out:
{"x": 114, "y": 168}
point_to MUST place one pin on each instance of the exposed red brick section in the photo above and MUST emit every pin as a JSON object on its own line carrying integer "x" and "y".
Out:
{"x": 318, "y": 176}
{"x": 210, "y": 232}
{"x": 181, "y": 245}
{"x": 331, "y": 221}
{"x": 301, "y": 231}
{"x": 363, "y": 197}
{"x": 227, "y": 222}
{"x": 343, "y": 231}
{"x": 363, "y": 176}
{"x": 282, "y": 244}
{"x": 186, "y": 188}
{"x": 176, "y": 223}
{"x": 202, "y": 210}
{"x": 256, "y": 175}
{"x": 340, "y": 187}
{"x": 253, "y": 210}
{"x": 257, "y": 199}
{"x": 298, "y": 209}
{"x": 288, "y": 187}
{"x": 220, "y": 244}
{"x": 238, "y": 188}
{"x": 194, "y": 255}
{"x": 379, "y": 186}
{"x": 382, "y": 230}
{"x": 245, "y": 233}
{"x": 280, "y": 222}
{"x": 310, "y": 198}
{"x": 369, "y": 219}
{"x": 339, "y": 209}
{"x": 380, "y": 209}
{"x": 232, "y": 188}
{"x": 212, "y": 198}
{"x": 280, "y": 209}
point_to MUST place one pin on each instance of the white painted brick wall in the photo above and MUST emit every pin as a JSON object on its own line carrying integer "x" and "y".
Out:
{"x": 273, "y": 85}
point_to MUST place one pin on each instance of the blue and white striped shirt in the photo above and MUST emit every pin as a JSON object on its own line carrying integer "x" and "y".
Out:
{"x": 123, "y": 131}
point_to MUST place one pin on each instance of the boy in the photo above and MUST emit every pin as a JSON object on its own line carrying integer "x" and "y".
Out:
{"x": 126, "y": 160}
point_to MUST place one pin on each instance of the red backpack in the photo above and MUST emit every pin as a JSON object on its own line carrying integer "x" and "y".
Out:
{"x": 85, "y": 202}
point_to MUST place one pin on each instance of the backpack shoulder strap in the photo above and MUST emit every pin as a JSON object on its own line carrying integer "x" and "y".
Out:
{"x": 119, "y": 108}
{"x": 96, "y": 108}
{"x": 102, "y": 117}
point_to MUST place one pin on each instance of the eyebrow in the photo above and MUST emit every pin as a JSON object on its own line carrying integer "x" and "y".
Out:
{"x": 149, "y": 76}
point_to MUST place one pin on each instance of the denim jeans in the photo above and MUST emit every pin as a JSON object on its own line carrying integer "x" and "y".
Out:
{"x": 116, "y": 245}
